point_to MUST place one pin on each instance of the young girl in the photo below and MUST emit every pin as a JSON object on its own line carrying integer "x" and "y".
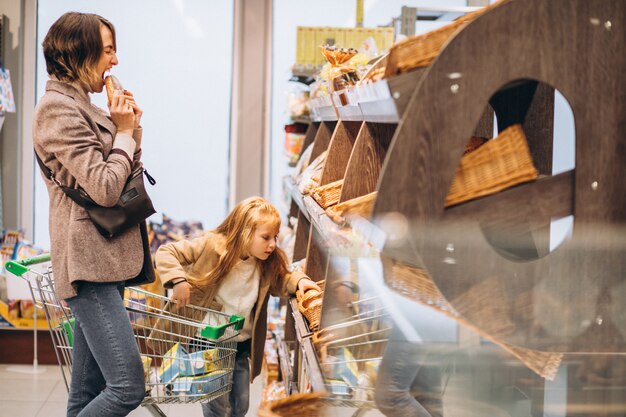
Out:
{"x": 234, "y": 269}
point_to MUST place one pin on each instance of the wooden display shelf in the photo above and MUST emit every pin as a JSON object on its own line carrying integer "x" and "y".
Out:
{"x": 17, "y": 347}
{"x": 322, "y": 138}
{"x": 411, "y": 136}
{"x": 366, "y": 159}
{"x": 522, "y": 91}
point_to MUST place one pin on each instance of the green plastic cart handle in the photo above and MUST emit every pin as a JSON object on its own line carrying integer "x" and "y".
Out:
{"x": 19, "y": 268}
{"x": 68, "y": 327}
{"x": 215, "y": 332}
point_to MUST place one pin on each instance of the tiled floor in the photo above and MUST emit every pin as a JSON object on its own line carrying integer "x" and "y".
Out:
{"x": 27, "y": 394}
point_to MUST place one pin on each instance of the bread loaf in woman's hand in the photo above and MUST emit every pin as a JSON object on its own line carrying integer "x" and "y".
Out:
{"x": 112, "y": 84}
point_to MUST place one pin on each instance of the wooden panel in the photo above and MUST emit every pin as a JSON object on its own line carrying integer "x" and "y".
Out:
{"x": 302, "y": 237}
{"x": 539, "y": 128}
{"x": 316, "y": 257}
{"x": 562, "y": 43}
{"x": 403, "y": 86}
{"x": 310, "y": 134}
{"x": 322, "y": 138}
{"x": 339, "y": 151}
{"x": 367, "y": 159}
{"x": 485, "y": 124}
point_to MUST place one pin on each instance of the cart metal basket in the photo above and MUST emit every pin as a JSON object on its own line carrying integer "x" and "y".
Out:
{"x": 188, "y": 353}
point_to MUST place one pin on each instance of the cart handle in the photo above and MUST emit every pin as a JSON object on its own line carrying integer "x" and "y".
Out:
{"x": 215, "y": 332}
{"x": 19, "y": 268}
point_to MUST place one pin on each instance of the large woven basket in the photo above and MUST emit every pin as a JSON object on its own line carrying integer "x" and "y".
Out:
{"x": 328, "y": 195}
{"x": 300, "y": 405}
{"x": 361, "y": 206}
{"x": 416, "y": 284}
{"x": 420, "y": 51}
{"x": 486, "y": 168}
{"x": 310, "y": 305}
{"x": 498, "y": 164}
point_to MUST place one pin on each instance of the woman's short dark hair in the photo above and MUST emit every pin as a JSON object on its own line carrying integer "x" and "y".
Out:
{"x": 73, "y": 46}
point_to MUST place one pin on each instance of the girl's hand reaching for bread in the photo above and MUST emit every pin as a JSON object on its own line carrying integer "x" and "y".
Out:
{"x": 306, "y": 284}
{"x": 122, "y": 113}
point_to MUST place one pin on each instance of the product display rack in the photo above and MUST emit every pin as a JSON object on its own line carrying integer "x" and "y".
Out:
{"x": 403, "y": 137}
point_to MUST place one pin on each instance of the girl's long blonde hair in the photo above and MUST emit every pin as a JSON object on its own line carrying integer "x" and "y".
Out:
{"x": 238, "y": 230}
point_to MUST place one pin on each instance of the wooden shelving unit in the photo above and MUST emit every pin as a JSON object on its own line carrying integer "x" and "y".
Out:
{"x": 404, "y": 137}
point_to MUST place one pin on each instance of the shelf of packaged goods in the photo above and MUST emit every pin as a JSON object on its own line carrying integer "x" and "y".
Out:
{"x": 300, "y": 119}
{"x": 347, "y": 107}
{"x": 308, "y": 70}
{"x": 322, "y": 109}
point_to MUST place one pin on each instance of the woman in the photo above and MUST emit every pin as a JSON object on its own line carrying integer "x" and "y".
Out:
{"x": 83, "y": 146}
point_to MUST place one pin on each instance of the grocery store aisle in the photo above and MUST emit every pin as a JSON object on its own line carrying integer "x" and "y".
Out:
{"x": 43, "y": 394}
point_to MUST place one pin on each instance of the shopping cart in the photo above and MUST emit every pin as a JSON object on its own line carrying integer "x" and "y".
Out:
{"x": 188, "y": 353}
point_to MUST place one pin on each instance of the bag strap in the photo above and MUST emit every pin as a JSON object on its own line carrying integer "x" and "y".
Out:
{"x": 78, "y": 196}
{"x": 151, "y": 180}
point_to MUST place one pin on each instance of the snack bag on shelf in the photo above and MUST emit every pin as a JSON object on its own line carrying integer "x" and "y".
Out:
{"x": 27, "y": 310}
{"x": 298, "y": 100}
{"x": 339, "y": 74}
{"x": 294, "y": 139}
{"x": 312, "y": 175}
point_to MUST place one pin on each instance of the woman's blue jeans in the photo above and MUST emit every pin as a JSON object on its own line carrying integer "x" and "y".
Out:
{"x": 107, "y": 374}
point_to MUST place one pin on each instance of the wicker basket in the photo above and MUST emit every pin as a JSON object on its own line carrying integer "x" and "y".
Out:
{"x": 474, "y": 143}
{"x": 498, "y": 164}
{"x": 328, "y": 195}
{"x": 301, "y": 405}
{"x": 310, "y": 305}
{"x": 415, "y": 283}
{"x": 364, "y": 205}
{"x": 420, "y": 51}
{"x": 361, "y": 206}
